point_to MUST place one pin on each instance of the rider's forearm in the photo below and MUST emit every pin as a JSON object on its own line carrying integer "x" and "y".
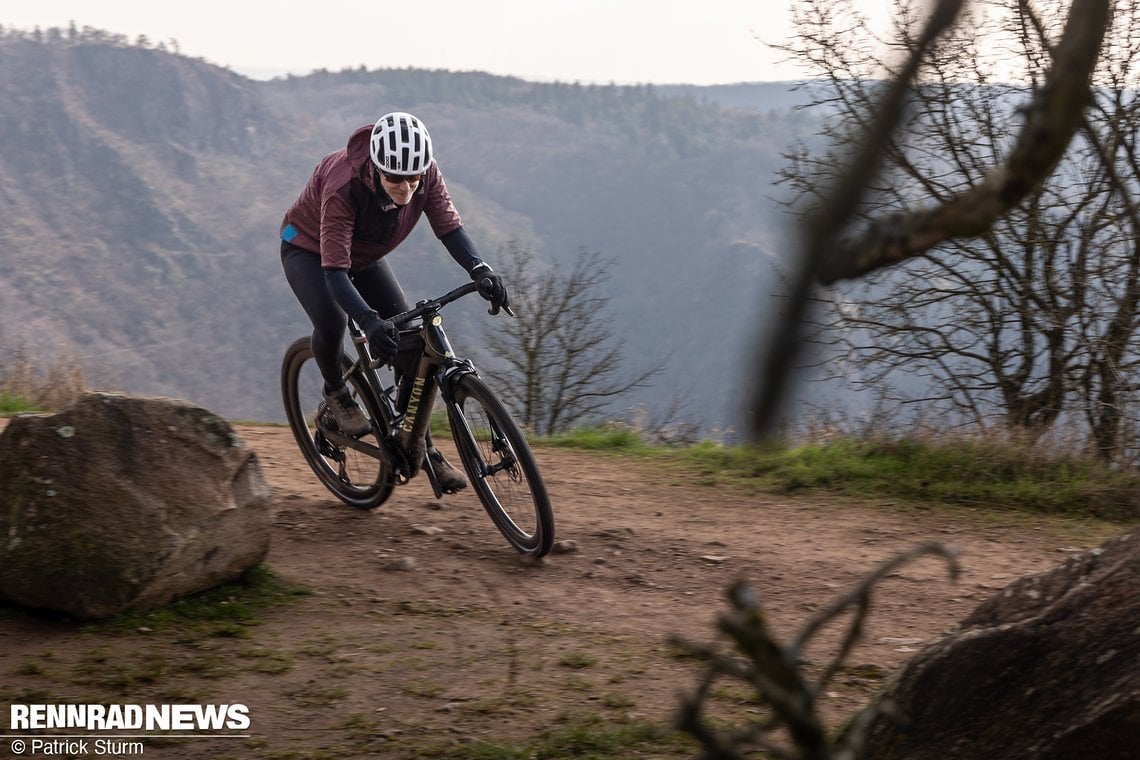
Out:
{"x": 346, "y": 294}
{"x": 462, "y": 248}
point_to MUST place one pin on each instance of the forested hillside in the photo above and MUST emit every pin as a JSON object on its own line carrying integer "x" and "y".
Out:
{"x": 143, "y": 190}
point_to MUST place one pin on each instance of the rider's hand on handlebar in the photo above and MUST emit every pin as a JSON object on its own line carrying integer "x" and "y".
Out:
{"x": 491, "y": 287}
{"x": 383, "y": 337}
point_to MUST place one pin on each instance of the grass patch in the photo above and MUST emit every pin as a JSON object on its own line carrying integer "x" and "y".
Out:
{"x": 974, "y": 473}
{"x": 99, "y": 671}
{"x": 315, "y": 694}
{"x": 30, "y": 668}
{"x": 584, "y": 737}
{"x": 170, "y": 658}
{"x": 267, "y": 661}
{"x": 438, "y": 424}
{"x": 577, "y": 660}
{"x": 616, "y": 700}
{"x": 224, "y": 611}
{"x": 11, "y": 404}
{"x": 599, "y": 438}
{"x": 28, "y": 383}
{"x": 425, "y": 689}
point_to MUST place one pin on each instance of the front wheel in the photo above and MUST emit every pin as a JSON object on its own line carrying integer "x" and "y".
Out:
{"x": 500, "y": 466}
{"x": 354, "y": 477}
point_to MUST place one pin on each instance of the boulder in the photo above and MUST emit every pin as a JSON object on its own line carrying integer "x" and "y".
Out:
{"x": 124, "y": 503}
{"x": 1047, "y": 669}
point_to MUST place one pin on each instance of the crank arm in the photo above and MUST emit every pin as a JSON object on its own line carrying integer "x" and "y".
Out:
{"x": 349, "y": 442}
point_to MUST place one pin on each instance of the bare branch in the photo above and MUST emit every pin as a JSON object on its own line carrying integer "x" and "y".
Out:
{"x": 835, "y": 248}
{"x": 775, "y": 672}
{"x": 830, "y": 216}
{"x": 1052, "y": 117}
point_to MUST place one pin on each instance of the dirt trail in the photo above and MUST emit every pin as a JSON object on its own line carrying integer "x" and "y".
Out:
{"x": 475, "y": 643}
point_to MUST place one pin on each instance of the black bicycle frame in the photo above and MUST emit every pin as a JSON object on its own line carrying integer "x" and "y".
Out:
{"x": 404, "y": 420}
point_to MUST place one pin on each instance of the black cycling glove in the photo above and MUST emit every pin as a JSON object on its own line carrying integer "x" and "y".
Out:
{"x": 383, "y": 337}
{"x": 491, "y": 286}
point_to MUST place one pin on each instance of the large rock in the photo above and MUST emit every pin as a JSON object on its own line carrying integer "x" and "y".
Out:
{"x": 125, "y": 503}
{"x": 1048, "y": 669}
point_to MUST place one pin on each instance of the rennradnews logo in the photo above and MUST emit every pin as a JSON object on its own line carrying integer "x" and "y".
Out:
{"x": 129, "y": 717}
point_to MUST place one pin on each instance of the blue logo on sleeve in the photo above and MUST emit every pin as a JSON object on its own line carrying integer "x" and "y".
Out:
{"x": 288, "y": 233}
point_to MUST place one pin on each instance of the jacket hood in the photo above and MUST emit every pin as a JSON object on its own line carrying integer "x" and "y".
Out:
{"x": 360, "y": 153}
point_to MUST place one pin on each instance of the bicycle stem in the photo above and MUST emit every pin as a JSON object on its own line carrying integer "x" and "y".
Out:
{"x": 435, "y": 304}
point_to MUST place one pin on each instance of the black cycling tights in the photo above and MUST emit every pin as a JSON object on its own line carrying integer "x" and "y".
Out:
{"x": 376, "y": 284}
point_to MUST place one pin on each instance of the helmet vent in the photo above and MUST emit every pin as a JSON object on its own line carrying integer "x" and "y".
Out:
{"x": 401, "y": 144}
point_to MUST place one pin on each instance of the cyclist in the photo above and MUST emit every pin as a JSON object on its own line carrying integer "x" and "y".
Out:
{"x": 359, "y": 204}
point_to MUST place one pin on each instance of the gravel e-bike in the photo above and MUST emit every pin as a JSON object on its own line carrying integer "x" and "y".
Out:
{"x": 362, "y": 471}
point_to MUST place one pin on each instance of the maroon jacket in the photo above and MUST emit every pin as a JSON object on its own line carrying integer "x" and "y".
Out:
{"x": 343, "y": 214}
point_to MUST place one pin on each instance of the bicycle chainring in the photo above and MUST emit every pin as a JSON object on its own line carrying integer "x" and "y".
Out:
{"x": 402, "y": 469}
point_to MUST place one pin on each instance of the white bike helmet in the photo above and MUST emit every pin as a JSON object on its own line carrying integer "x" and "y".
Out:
{"x": 401, "y": 144}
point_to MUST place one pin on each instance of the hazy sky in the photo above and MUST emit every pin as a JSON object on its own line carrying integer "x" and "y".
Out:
{"x": 601, "y": 41}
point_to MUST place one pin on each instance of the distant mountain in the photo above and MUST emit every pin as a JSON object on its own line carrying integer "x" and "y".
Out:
{"x": 143, "y": 190}
{"x": 752, "y": 96}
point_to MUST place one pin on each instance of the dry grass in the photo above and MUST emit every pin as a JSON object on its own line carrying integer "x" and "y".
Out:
{"x": 30, "y": 382}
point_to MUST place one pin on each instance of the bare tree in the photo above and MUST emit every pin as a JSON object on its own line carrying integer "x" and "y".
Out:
{"x": 1002, "y": 270}
{"x": 563, "y": 360}
{"x": 845, "y": 236}
{"x": 1016, "y": 322}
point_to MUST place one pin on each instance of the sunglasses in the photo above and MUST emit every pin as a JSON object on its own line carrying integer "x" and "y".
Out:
{"x": 396, "y": 179}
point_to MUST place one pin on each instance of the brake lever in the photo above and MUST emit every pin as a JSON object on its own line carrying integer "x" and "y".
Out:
{"x": 486, "y": 282}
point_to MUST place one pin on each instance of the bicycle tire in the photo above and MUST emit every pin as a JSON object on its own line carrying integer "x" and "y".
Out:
{"x": 500, "y": 466}
{"x": 358, "y": 480}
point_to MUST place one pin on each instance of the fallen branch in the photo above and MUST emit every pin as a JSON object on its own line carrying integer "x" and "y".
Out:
{"x": 774, "y": 671}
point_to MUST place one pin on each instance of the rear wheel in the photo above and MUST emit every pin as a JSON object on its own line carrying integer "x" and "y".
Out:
{"x": 501, "y": 467}
{"x": 354, "y": 477}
